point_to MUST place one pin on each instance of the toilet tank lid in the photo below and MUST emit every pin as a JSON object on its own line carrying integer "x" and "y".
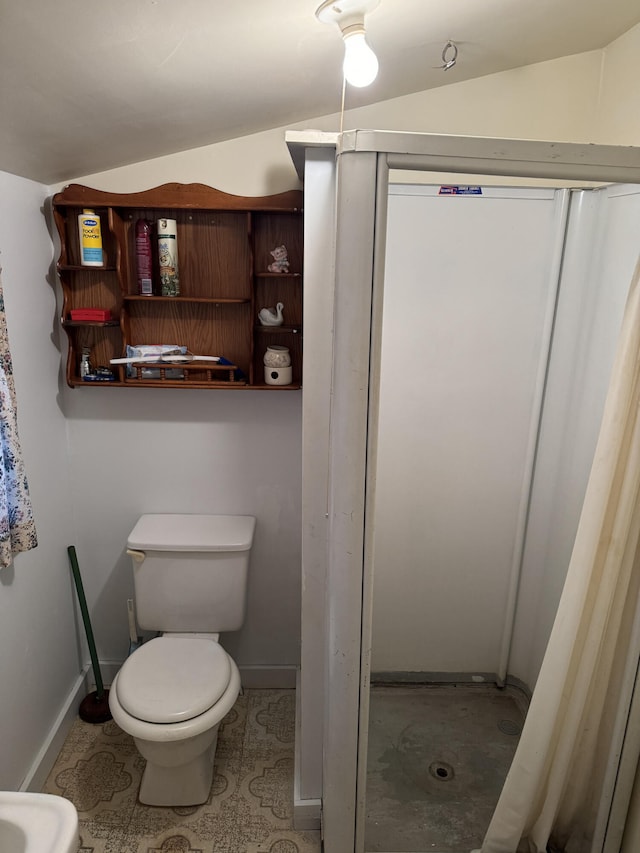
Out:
{"x": 173, "y": 532}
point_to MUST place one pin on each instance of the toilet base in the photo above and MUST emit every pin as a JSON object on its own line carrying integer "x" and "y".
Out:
{"x": 179, "y": 755}
{"x": 186, "y": 784}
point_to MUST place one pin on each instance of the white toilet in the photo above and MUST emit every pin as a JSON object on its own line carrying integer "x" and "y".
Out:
{"x": 190, "y": 581}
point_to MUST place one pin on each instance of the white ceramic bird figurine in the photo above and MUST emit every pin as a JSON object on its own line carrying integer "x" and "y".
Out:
{"x": 271, "y": 316}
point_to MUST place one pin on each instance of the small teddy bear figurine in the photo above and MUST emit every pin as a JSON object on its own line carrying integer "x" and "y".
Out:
{"x": 280, "y": 260}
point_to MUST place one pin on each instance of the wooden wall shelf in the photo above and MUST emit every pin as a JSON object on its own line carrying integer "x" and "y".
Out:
{"x": 224, "y": 248}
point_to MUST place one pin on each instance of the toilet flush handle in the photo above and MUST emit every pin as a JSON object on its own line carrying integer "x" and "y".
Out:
{"x": 138, "y": 556}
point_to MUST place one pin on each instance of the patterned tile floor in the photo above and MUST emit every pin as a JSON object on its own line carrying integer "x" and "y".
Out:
{"x": 249, "y": 809}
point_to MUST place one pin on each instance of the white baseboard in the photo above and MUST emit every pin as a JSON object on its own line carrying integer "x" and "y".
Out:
{"x": 108, "y": 671}
{"x": 257, "y": 677}
{"x": 46, "y": 757}
{"x": 306, "y": 813}
{"x": 268, "y": 677}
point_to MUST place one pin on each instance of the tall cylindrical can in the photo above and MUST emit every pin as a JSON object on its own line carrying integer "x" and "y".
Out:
{"x": 168, "y": 256}
{"x": 90, "y": 238}
{"x": 143, "y": 257}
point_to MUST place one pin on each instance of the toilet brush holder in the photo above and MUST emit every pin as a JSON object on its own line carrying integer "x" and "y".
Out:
{"x": 94, "y": 708}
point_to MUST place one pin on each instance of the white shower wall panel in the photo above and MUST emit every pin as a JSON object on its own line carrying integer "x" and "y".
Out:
{"x": 602, "y": 246}
{"x": 468, "y": 283}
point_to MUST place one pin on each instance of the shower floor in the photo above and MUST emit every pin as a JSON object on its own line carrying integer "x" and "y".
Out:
{"x": 437, "y": 759}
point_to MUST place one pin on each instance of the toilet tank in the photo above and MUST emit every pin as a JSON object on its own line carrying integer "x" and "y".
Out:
{"x": 190, "y": 571}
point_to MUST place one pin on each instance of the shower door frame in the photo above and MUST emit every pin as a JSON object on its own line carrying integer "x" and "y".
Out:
{"x": 363, "y": 162}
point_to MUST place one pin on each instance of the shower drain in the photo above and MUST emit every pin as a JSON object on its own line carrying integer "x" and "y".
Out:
{"x": 509, "y": 727}
{"x": 441, "y": 771}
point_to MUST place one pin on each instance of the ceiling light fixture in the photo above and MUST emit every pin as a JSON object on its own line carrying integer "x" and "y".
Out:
{"x": 360, "y": 65}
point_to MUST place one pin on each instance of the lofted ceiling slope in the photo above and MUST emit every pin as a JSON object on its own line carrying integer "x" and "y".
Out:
{"x": 87, "y": 87}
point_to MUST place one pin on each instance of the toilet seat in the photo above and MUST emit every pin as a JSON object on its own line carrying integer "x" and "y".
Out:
{"x": 170, "y": 732}
{"x": 171, "y": 680}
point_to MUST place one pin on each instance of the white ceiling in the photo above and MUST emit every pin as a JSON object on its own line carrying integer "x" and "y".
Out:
{"x": 87, "y": 86}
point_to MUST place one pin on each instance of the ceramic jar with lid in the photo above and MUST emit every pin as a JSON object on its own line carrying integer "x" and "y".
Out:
{"x": 277, "y": 365}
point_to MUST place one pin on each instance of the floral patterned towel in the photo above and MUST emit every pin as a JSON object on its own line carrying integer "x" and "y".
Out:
{"x": 17, "y": 527}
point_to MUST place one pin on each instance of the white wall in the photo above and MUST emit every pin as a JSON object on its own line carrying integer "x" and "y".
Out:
{"x": 39, "y": 661}
{"x": 550, "y": 100}
{"x": 618, "y": 114}
{"x": 173, "y": 450}
{"x": 469, "y": 291}
{"x": 169, "y": 450}
{"x": 445, "y": 525}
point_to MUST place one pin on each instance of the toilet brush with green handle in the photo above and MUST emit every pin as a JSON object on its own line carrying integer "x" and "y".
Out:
{"x": 94, "y": 708}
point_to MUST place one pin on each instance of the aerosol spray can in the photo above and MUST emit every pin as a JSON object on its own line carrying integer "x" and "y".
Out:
{"x": 143, "y": 257}
{"x": 168, "y": 256}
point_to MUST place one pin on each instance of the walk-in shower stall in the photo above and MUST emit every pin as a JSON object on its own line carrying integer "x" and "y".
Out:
{"x": 460, "y": 340}
{"x": 501, "y": 309}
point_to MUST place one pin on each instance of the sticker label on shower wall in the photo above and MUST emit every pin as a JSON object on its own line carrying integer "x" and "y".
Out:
{"x": 452, "y": 189}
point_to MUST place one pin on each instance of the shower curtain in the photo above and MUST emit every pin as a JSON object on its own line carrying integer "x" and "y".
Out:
{"x": 17, "y": 527}
{"x": 551, "y": 795}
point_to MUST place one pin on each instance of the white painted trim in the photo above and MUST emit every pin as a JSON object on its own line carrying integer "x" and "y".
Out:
{"x": 496, "y": 156}
{"x": 298, "y": 141}
{"x": 375, "y": 362}
{"x": 108, "y": 671}
{"x": 50, "y": 749}
{"x": 306, "y": 812}
{"x": 319, "y": 242}
{"x": 355, "y": 221}
{"x": 257, "y": 677}
{"x": 435, "y": 152}
{"x": 268, "y": 677}
{"x": 253, "y": 677}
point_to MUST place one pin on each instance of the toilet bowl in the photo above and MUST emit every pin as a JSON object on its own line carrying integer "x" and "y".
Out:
{"x": 170, "y": 696}
{"x": 190, "y": 581}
